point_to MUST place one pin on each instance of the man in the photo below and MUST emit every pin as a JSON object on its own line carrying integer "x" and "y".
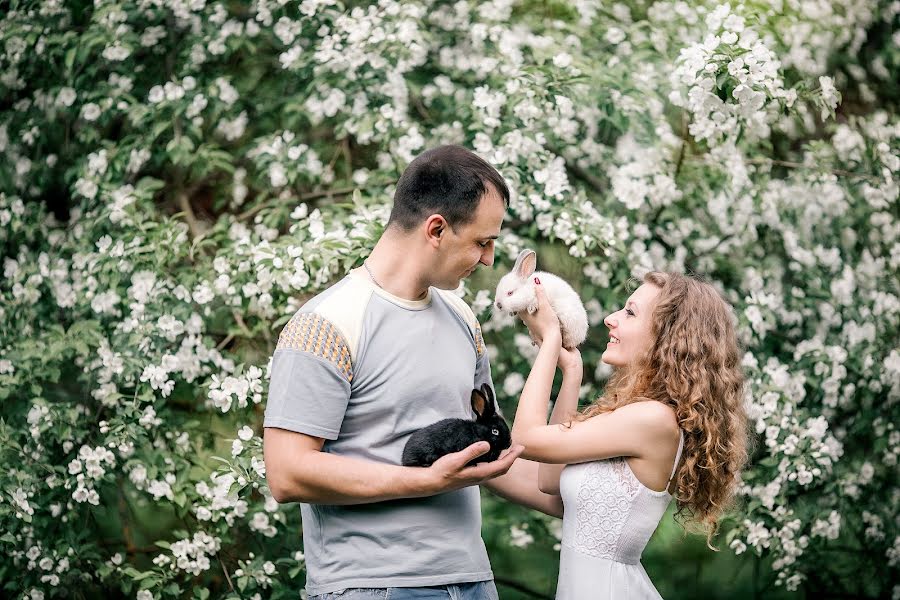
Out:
{"x": 384, "y": 352}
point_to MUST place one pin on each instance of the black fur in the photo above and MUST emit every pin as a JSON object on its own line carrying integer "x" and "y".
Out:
{"x": 452, "y": 435}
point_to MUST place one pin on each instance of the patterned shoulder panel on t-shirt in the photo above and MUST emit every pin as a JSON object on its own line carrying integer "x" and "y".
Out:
{"x": 312, "y": 333}
{"x": 479, "y": 340}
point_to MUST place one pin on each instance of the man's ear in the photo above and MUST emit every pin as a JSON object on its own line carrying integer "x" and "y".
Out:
{"x": 435, "y": 229}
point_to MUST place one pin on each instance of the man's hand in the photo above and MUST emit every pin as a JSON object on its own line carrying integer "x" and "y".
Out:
{"x": 450, "y": 472}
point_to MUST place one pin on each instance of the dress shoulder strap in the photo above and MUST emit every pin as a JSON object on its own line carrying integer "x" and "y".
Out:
{"x": 677, "y": 455}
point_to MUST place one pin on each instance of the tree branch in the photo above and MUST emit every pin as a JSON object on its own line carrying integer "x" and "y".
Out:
{"x": 795, "y": 165}
{"x": 348, "y": 156}
{"x": 126, "y": 530}
{"x": 315, "y": 196}
{"x": 185, "y": 205}
{"x": 684, "y": 141}
{"x": 240, "y": 322}
{"x": 594, "y": 182}
{"x": 224, "y": 570}
{"x": 420, "y": 107}
{"x": 221, "y": 345}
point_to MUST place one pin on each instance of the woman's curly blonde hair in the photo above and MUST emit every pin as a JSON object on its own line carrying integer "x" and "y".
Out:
{"x": 693, "y": 365}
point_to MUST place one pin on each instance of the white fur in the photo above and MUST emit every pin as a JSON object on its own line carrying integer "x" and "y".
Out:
{"x": 573, "y": 319}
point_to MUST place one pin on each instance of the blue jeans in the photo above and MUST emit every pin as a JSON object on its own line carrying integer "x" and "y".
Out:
{"x": 480, "y": 590}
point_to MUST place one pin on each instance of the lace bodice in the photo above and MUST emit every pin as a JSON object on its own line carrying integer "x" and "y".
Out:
{"x": 608, "y": 512}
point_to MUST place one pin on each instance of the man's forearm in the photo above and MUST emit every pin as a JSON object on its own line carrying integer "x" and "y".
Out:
{"x": 298, "y": 471}
{"x": 322, "y": 478}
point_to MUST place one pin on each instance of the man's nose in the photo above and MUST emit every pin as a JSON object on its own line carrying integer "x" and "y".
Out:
{"x": 487, "y": 258}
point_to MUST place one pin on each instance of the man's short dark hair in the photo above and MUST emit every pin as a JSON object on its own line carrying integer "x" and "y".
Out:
{"x": 447, "y": 180}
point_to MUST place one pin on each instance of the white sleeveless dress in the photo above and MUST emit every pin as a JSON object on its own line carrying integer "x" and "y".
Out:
{"x": 608, "y": 520}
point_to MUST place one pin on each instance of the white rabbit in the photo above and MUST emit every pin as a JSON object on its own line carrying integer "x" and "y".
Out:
{"x": 515, "y": 292}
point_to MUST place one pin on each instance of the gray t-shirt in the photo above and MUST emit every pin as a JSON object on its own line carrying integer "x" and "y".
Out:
{"x": 365, "y": 369}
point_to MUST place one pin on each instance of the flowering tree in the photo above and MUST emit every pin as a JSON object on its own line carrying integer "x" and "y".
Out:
{"x": 179, "y": 177}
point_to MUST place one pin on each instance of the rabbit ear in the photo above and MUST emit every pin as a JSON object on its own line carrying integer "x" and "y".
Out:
{"x": 479, "y": 403}
{"x": 525, "y": 263}
{"x": 490, "y": 408}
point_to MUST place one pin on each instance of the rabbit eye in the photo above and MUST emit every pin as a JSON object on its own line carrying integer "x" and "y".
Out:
{"x": 509, "y": 293}
{"x": 495, "y": 431}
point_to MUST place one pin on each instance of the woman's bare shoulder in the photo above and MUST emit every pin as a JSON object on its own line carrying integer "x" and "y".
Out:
{"x": 653, "y": 414}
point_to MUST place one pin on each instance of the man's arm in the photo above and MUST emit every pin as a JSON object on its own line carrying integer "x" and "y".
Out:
{"x": 298, "y": 471}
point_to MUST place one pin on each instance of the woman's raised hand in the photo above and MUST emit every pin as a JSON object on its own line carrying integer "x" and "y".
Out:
{"x": 570, "y": 360}
{"x": 543, "y": 324}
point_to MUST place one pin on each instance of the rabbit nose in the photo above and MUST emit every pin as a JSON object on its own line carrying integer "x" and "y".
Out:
{"x": 498, "y": 305}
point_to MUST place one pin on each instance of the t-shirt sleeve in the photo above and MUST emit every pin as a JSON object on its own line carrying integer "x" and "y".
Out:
{"x": 309, "y": 387}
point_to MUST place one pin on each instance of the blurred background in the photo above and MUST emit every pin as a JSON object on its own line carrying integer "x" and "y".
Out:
{"x": 179, "y": 177}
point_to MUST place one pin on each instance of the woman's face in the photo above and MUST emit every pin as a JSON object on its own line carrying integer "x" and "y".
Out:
{"x": 629, "y": 328}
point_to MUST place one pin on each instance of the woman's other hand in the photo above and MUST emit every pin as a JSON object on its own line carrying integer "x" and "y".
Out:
{"x": 570, "y": 360}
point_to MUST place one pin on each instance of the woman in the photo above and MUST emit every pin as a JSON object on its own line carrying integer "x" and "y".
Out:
{"x": 670, "y": 423}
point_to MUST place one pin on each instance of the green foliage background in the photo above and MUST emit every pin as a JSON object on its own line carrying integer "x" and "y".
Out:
{"x": 179, "y": 177}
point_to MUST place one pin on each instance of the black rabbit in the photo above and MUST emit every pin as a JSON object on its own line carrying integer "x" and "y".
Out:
{"x": 452, "y": 435}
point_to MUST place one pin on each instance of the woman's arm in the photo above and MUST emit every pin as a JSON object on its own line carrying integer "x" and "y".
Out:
{"x": 535, "y": 399}
{"x": 519, "y": 485}
{"x": 532, "y": 409}
{"x": 639, "y": 429}
{"x": 635, "y": 429}
{"x": 565, "y": 407}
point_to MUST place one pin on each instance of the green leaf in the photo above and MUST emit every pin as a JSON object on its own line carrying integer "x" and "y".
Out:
{"x": 70, "y": 58}
{"x": 151, "y": 580}
{"x": 159, "y": 128}
{"x": 172, "y": 589}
